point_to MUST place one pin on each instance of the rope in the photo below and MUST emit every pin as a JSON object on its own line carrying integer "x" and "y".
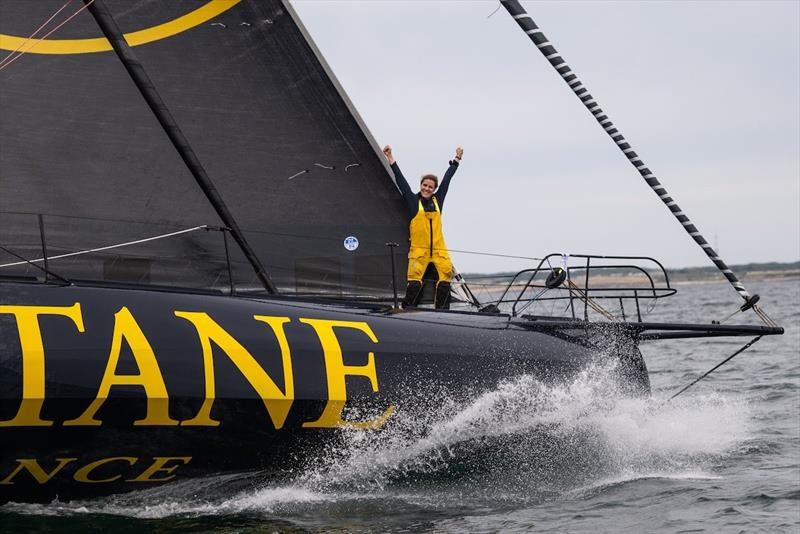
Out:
{"x": 493, "y": 254}
{"x": 493, "y": 12}
{"x": 592, "y": 304}
{"x": 46, "y": 271}
{"x": 560, "y": 65}
{"x": 280, "y": 234}
{"x": 31, "y": 36}
{"x": 720, "y": 364}
{"x": 764, "y": 317}
{"x": 100, "y": 249}
{"x": 37, "y": 41}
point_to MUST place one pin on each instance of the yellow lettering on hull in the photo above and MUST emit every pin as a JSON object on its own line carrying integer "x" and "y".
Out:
{"x": 276, "y": 402}
{"x": 30, "y": 339}
{"x": 82, "y": 474}
{"x": 36, "y": 471}
{"x": 336, "y": 372}
{"x": 159, "y": 465}
{"x": 149, "y": 377}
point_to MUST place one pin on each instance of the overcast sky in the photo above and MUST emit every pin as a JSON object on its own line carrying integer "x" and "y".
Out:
{"x": 708, "y": 93}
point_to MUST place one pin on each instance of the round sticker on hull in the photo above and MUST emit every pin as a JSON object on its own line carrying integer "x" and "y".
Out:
{"x": 351, "y": 243}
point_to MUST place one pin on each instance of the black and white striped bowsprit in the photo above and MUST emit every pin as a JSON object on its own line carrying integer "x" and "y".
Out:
{"x": 546, "y": 48}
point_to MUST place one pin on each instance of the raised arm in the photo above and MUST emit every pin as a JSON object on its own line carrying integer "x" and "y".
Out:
{"x": 448, "y": 175}
{"x": 408, "y": 195}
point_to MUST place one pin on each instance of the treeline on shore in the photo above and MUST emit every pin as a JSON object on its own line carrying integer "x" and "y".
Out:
{"x": 767, "y": 270}
{"x": 773, "y": 268}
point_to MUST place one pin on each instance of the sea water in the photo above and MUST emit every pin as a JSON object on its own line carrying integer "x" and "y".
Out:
{"x": 532, "y": 457}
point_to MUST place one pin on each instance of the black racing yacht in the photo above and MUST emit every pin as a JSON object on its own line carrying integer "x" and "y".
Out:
{"x": 198, "y": 270}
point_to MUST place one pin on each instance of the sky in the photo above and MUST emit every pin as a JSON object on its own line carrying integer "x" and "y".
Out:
{"x": 707, "y": 93}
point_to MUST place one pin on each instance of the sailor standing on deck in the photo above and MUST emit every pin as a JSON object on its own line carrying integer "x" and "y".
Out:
{"x": 425, "y": 231}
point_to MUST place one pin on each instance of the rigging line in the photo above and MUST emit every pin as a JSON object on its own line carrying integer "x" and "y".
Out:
{"x": 531, "y": 300}
{"x": 720, "y": 364}
{"x": 588, "y": 300}
{"x": 538, "y": 38}
{"x": 495, "y": 11}
{"x": 265, "y": 232}
{"x": 491, "y": 254}
{"x": 382, "y": 242}
{"x": 529, "y": 284}
{"x": 30, "y": 262}
{"x": 475, "y": 277}
{"x": 37, "y": 41}
{"x": 31, "y": 36}
{"x": 100, "y": 249}
{"x": 764, "y": 317}
{"x": 87, "y": 218}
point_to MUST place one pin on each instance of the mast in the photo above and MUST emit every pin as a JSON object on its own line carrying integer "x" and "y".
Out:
{"x": 560, "y": 65}
{"x": 139, "y": 76}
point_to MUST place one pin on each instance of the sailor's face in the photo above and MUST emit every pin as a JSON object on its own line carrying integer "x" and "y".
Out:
{"x": 426, "y": 189}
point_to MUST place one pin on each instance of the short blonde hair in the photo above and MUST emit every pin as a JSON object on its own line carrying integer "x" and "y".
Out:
{"x": 431, "y": 177}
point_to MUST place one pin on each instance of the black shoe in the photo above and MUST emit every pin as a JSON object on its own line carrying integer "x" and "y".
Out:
{"x": 442, "y": 299}
{"x": 413, "y": 292}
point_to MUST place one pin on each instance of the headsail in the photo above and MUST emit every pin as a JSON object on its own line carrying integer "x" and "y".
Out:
{"x": 278, "y": 137}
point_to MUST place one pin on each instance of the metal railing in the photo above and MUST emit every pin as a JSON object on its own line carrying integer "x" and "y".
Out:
{"x": 586, "y": 292}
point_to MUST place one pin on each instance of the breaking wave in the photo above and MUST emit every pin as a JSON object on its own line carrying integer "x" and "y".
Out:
{"x": 531, "y": 437}
{"x": 524, "y": 441}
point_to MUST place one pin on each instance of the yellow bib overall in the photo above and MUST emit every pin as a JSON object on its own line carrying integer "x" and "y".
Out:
{"x": 427, "y": 245}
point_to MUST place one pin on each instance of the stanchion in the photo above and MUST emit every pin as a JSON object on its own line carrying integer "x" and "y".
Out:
{"x": 393, "y": 246}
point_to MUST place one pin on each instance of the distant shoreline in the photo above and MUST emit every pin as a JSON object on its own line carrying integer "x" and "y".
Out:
{"x": 751, "y": 272}
{"x": 755, "y": 276}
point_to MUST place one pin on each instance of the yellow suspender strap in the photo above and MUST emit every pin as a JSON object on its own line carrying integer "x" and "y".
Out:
{"x": 435, "y": 203}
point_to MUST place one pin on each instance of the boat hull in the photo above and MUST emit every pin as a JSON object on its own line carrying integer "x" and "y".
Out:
{"x": 109, "y": 390}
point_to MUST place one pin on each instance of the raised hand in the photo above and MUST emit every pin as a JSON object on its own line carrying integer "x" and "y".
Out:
{"x": 387, "y": 151}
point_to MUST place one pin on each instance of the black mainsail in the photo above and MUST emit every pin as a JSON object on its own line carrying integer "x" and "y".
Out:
{"x": 265, "y": 116}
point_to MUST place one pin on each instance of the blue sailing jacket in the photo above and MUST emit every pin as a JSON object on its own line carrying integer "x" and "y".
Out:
{"x": 413, "y": 199}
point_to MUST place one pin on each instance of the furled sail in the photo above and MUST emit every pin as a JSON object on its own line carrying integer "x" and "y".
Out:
{"x": 278, "y": 137}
